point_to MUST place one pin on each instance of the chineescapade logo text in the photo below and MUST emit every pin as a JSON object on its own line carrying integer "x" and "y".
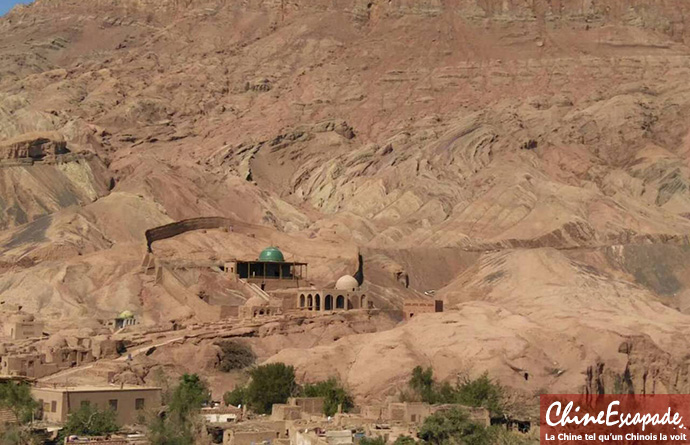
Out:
{"x": 619, "y": 419}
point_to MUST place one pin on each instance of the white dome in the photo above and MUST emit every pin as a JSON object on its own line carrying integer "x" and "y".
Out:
{"x": 347, "y": 282}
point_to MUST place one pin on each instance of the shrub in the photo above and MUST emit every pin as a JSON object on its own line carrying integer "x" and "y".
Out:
{"x": 90, "y": 421}
{"x": 19, "y": 435}
{"x": 404, "y": 440}
{"x": 272, "y": 383}
{"x": 237, "y": 396}
{"x": 422, "y": 382}
{"x": 333, "y": 392}
{"x": 480, "y": 392}
{"x": 453, "y": 426}
{"x": 162, "y": 431}
{"x": 190, "y": 395}
{"x": 179, "y": 426}
{"x": 235, "y": 356}
{"x": 17, "y": 398}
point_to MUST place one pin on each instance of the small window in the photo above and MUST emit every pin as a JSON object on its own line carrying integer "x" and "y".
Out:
{"x": 112, "y": 404}
{"x": 139, "y": 404}
{"x": 53, "y": 406}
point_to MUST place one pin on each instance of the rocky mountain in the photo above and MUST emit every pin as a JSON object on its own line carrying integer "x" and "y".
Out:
{"x": 525, "y": 160}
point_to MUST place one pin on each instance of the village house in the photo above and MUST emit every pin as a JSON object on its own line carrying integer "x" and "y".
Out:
{"x": 417, "y": 412}
{"x": 319, "y": 437}
{"x": 222, "y": 414}
{"x": 128, "y": 402}
{"x": 53, "y": 357}
{"x": 252, "y": 433}
{"x": 302, "y": 422}
{"x": 115, "y": 439}
{"x": 298, "y": 408}
{"x": 32, "y": 365}
{"x": 420, "y": 306}
{"x": 21, "y": 326}
{"x": 309, "y": 405}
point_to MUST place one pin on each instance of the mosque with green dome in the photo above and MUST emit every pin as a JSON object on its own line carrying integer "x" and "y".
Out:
{"x": 270, "y": 270}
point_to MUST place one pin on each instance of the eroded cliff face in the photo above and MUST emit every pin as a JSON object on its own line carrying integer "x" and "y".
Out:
{"x": 649, "y": 11}
{"x": 527, "y": 161}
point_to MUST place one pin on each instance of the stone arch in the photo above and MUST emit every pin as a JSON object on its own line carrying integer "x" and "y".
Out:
{"x": 363, "y": 302}
{"x": 350, "y": 304}
{"x": 340, "y": 302}
{"x": 318, "y": 302}
{"x": 261, "y": 312}
{"x": 328, "y": 303}
{"x": 310, "y": 302}
{"x": 301, "y": 300}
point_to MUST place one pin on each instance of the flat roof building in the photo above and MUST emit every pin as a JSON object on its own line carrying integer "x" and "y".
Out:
{"x": 270, "y": 270}
{"x": 21, "y": 326}
{"x": 128, "y": 402}
{"x": 419, "y": 306}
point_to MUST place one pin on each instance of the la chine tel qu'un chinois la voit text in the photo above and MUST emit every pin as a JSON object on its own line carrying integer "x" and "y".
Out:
{"x": 556, "y": 416}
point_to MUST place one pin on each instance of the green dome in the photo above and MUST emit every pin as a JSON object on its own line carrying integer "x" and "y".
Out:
{"x": 272, "y": 254}
{"x": 125, "y": 314}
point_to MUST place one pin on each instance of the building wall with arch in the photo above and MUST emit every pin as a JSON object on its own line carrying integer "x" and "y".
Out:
{"x": 326, "y": 300}
{"x": 249, "y": 312}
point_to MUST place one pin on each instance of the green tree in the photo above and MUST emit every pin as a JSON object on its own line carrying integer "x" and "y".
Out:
{"x": 272, "y": 383}
{"x": 235, "y": 355}
{"x": 445, "y": 393}
{"x": 17, "y": 398}
{"x": 453, "y": 426}
{"x": 19, "y": 435}
{"x": 404, "y": 440}
{"x": 237, "y": 396}
{"x": 481, "y": 392}
{"x": 334, "y": 394}
{"x": 422, "y": 382}
{"x": 163, "y": 431}
{"x": 189, "y": 396}
{"x": 90, "y": 421}
{"x": 180, "y": 424}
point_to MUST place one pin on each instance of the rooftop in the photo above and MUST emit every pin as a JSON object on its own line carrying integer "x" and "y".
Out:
{"x": 89, "y": 388}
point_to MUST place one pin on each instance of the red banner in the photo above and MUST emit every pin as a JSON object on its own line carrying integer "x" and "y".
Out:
{"x": 614, "y": 419}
